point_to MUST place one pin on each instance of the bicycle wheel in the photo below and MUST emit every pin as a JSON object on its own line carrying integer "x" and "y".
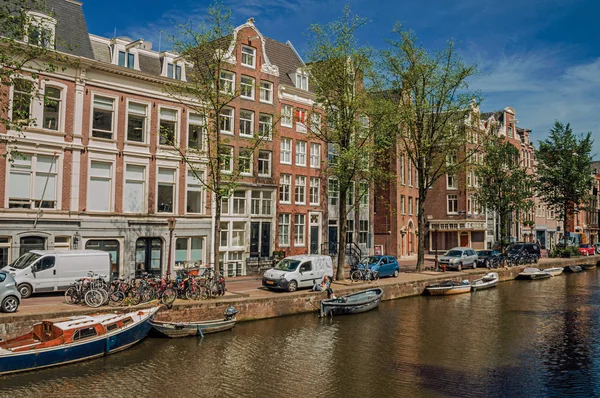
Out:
{"x": 168, "y": 296}
{"x": 72, "y": 296}
{"x": 375, "y": 276}
{"x": 94, "y": 298}
{"x": 133, "y": 297}
{"x": 356, "y": 276}
{"x": 192, "y": 293}
{"x": 204, "y": 293}
{"x": 117, "y": 298}
{"x": 148, "y": 294}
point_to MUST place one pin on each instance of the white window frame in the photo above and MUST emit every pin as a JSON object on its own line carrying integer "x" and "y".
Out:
{"x": 315, "y": 122}
{"x": 196, "y": 120}
{"x": 61, "y": 106}
{"x": 114, "y": 117}
{"x": 287, "y": 116}
{"x": 265, "y": 124}
{"x": 454, "y": 198}
{"x": 239, "y": 201}
{"x": 227, "y": 82}
{"x": 451, "y": 182}
{"x": 172, "y": 184}
{"x": 269, "y": 161}
{"x": 244, "y": 121}
{"x": 285, "y": 188}
{"x": 230, "y": 117}
{"x": 247, "y": 51}
{"x": 300, "y": 153}
{"x": 140, "y": 181}
{"x": 301, "y": 115}
{"x": 285, "y": 151}
{"x": 315, "y": 155}
{"x": 300, "y": 190}
{"x": 229, "y": 169}
{"x": 169, "y": 119}
{"x": 244, "y": 86}
{"x": 139, "y": 114}
{"x": 333, "y": 192}
{"x": 194, "y": 185}
{"x": 302, "y": 81}
{"x": 250, "y": 159}
{"x": 110, "y": 180}
{"x": 299, "y": 230}
{"x": 266, "y": 91}
{"x": 284, "y": 229}
{"x": 315, "y": 191}
{"x": 31, "y": 168}
{"x": 402, "y": 204}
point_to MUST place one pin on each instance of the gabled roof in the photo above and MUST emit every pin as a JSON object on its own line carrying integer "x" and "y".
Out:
{"x": 286, "y": 59}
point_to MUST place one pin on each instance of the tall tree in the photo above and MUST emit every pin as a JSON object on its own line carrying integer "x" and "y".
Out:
{"x": 564, "y": 173}
{"x": 433, "y": 111}
{"x": 339, "y": 68}
{"x": 506, "y": 184}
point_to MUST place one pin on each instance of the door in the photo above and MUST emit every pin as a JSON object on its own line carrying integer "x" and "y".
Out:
{"x": 333, "y": 240}
{"x": 254, "y": 239}
{"x": 45, "y": 278}
{"x": 265, "y": 239}
{"x": 464, "y": 239}
{"x": 314, "y": 239}
{"x": 306, "y": 275}
{"x": 148, "y": 256}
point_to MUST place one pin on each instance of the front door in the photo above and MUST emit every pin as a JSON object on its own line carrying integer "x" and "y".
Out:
{"x": 255, "y": 239}
{"x": 45, "y": 277}
{"x": 148, "y": 256}
{"x": 333, "y": 240}
{"x": 314, "y": 239}
{"x": 464, "y": 239}
{"x": 265, "y": 239}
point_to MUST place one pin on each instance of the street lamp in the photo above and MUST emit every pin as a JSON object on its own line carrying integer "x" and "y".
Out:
{"x": 171, "y": 224}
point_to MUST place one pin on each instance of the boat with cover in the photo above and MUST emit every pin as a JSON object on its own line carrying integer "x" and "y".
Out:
{"x": 533, "y": 273}
{"x": 449, "y": 287}
{"x": 198, "y": 328}
{"x": 72, "y": 339}
{"x": 573, "y": 268}
{"x": 489, "y": 280}
{"x": 554, "y": 271}
{"x": 354, "y": 303}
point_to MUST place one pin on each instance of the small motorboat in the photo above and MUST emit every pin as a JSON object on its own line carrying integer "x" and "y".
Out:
{"x": 354, "y": 303}
{"x": 449, "y": 287}
{"x": 490, "y": 279}
{"x": 555, "y": 271}
{"x": 76, "y": 338}
{"x": 588, "y": 266}
{"x": 533, "y": 273}
{"x": 573, "y": 268}
{"x": 198, "y": 328}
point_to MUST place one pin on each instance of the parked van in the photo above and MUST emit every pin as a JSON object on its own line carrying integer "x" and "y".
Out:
{"x": 49, "y": 270}
{"x": 296, "y": 272}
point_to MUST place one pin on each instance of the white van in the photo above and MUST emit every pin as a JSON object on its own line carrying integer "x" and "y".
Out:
{"x": 49, "y": 270}
{"x": 296, "y": 272}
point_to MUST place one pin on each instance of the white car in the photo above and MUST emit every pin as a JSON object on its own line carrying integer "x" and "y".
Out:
{"x": 459, "y": 257}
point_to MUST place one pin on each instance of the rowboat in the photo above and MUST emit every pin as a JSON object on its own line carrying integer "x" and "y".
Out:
{"x": 489, "y": 280}
{"x": 354, "y": 303}
{"x": 72, "y": 339}
{"x": 198, "y": 328}
{"x": 573, "y": 268}
{"x": 449, "y": 287}
{"x": 533, "y": 273}
{"x": 555, "y": 271}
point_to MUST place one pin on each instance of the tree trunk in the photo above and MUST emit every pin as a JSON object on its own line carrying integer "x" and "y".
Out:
{"x": 565, "y": 221}
{"x": 217, "y": 234}
{"x": 503, "y": 229}
{"x": 421, "y": 226}
{"x": 342, "y": 214}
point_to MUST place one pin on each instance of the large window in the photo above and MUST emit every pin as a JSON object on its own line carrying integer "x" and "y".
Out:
{"x": 168, "y": 126}
{"x": 265, "y": 123}
{"x": 286, "y": 115}
{"x": 194, "y": 194}
{"x": 239, "y": 203}
{"x": 224, "y": 239}
{"x": 452, "y": 182}
{"x": 136, "y": 122}
{"x": 166, "y": 190}
{"x": 246, "y": 123}
{"x": 189, "y": 250}
{"x": 32, "y": 182}
{"x": 238, "y": 233}
{"x": 300, "y": 153}
{"x": 227, "y": 82}
{"x": 134, "y": 199}
{"x": 363, "y": 191}
{"x": 284, "y": 229}
{"x": 247, "y": 87}
{"x": 195, "y": 132}
{"x": 110, "y": 246}
{"x": 226, "y": 117}
{"x": 127, "y": 59}
{"x": 299, "y": 226}
{"x": 350, "y": 231}
{"x": 301, "y": 120}
{"x": 363, "y": 231}
{"x": 285, "y": 152}
{"x": 410, "y": 205}
{"x": 300, "y": 190}
{"x": 21, "y": 104}
{"x": 248, "y": 56}
{"x": 315, "y": 155}
{"x": 315, "y": 122}
{"x": 402, "y": 163}
{"x": 245, "y": 161}
{"x": 332, "y": 154}
{"x": 264, "y": 163}
{"x": 333, "y": 192}
{"x": 315, "y": 187}
{"x": 452, "y": 204}
{"x": 266, "y": 92}
{"x": 285, "y": 182}
{"x": 402, "y": 204}
{"x": 99, "y": 193}
{"x": 261, "y": 203}
{"x": 102, "y": 117}
{"x": 52, "y": 106}
{"x": 226, "y": 155}
{"x": 302, "y": 81}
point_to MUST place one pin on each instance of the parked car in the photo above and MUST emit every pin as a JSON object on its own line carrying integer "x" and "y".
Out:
{"x": 10, "y": 298}
{"x": 459, "y": 257}
{"x": 587, "y": 249}
{"x": 483, "y": 257}
{"x": 384, "y": 265}
{"x": 597, "y": 246}
{"x": 519, "y": 248}
{"x": 296, "y": 272}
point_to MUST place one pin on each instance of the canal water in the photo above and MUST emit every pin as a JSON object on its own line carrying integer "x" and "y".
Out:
{"x": 521, "y": 339}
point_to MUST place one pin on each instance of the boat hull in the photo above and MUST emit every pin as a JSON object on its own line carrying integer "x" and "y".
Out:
{"x": 534, "y": 276}
{"x": 355, "y": 303}
{"x": 487, "y": 282}
{"x": 556, "y": 271}
{"x": 447, "y": 290}
{"x": 573, "y": 268}
{"x": 185, "y": 329}
{"x": 588, "y": 266}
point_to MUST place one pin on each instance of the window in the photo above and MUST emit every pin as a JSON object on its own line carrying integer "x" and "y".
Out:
{"x": 247, "y": 87}
{"x": 333, "y": 191}
{"x": 470, "y": 204}
{"x": 261, "y": 203}
{"x": 110, "y": 246}
{"x": 239, "y": 203}
{"x": 301, "y": 81}
{"x": 238, "y": 233}
{"x": 332, "y": 154}
{"x": 21, "y": 104}
{"x": 285, "y": 153}
{"x": 350, "y": 194}
{"x": 136, "y": 122}
{"x": 4, "y": 250}
{"x": 99, "y": 193}
{"x": 135, "y": 189}
{"x": 194, "y": 194}
{"x": 510, "y": 132}
{"x": 225, "y": 205}
{"x": 300, "y": 153}
{"x": 32, "y": 182}
{"x": 166, "y": 190}
{"x": 452, "y": 204}
{"x": 227, "y": 82}
{"x": 40, "y": 31}
{"x": 52, "y": 104}
{"x": 409, "y": 173}
{"x": 127, "y": 60}
{"x": 226, "y": 117}
{"x": 470, "y": 178}
{"x": 267, "y": 203}
{"x": 168, "y": 126}
{"x": 245, "y": 161}
{"x": 350, "y": 231}
{"x": 363, "y": 231}
{"x": 363, "y": 191}
{"x": 315, "y": 155}
{"x": 264, "y": 163}
{"x": 188, "y": 250}
{"x": 248, "y": 56}
{"x": 102, "y": 122}
{"x": 300, "y": 190}
{"x": 299, "y": 222}
{"x": 195, "y": 132}
{"x": 410, "y": 205}
{"x": 403, "y": 204}
{"x": 266, "y": 92}
{"x": 315, "y": 123}
{"x": 264, "y": 126}
{"x": 285, "y": 182}
{"x": 451, "y": 181}
{"x": 284, "y": 229}
{"x": 173, "y": 71}
{"x": 315, "y": 188}
{"x": 226, "y": 155}
{"x": 286, "y": 115}
{"x": 402, "y": 163}
{"x": 246, "y": 123}
{"x": 224, "y": 240}
{"x": 84, "y": 333}
{"x": 301, "y": 120}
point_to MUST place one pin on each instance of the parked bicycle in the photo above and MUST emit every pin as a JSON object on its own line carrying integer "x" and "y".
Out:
{"x": 364, "y": 274}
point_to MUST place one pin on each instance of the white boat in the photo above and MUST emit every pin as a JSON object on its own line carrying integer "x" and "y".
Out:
{"x": 555, "y": 271}
{"x": 533, "y": 273}
{"x": 490, "y": 279}
{"x": 449, "y": 287}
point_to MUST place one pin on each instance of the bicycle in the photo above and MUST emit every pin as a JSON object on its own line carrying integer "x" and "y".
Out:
{"x": 364, "y": 274}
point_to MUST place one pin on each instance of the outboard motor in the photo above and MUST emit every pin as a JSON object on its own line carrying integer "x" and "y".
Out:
{"x": 230, "y": 312}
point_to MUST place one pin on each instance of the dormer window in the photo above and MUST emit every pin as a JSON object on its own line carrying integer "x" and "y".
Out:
{"x": 126, "y": 59}
{"x": 40, "y": 30}
{"x": 173, "y": 71}
{"x": 302, "y": 81}
{"x": 248, "y": 56}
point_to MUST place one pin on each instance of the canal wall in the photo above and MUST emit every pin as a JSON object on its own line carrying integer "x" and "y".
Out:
{"x": 272, "y": 305}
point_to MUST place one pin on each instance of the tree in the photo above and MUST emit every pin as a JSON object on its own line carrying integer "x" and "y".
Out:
{"x": 433, "y": 109}
{"x": 207, "y": 92}
{"x": 338, "y": 68}
{"x": 507, "y": 184}
{"x": 564, "y": 174}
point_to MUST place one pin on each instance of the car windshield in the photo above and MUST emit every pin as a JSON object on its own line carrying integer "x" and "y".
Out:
{"x": 453, "y": 253}
{"x": 25, "y": 260}
{"x": 515, "y": 248}
{"x": 287, "y": 264}
{"x": 370, "y": 260}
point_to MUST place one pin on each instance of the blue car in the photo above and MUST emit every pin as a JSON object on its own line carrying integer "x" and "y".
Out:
{"x": 384, "y": 265}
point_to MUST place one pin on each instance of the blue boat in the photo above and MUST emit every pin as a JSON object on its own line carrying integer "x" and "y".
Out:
{"x": 72, "y": 339}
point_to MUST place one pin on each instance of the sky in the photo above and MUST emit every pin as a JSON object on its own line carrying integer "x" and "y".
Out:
{"x": 540, "y": 57}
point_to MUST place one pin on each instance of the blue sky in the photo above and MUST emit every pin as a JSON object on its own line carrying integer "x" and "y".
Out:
{"x": 542, "y": 57}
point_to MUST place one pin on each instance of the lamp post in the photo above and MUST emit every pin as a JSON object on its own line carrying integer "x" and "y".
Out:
{"x": 171, "y": 223}
{"x": 437, "y": 266}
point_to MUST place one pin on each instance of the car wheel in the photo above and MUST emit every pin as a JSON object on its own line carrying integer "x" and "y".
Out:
{"x": 396, "y": 273}
{"x": 10, "y": 304}
{"x": 474, "y": 264}
{"x": 292, "y": 286}
{"x": 25, "y": 290}
{"x": 459, "y": 267}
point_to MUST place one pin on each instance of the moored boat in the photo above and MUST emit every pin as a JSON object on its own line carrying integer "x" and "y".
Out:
{"x": 533, "y": 273}
{"x": 449, "y": 287}
{"x": 554, "y": 271}
{"x": 354, "y": 303}
{"x": 487, "y": 281}
{"x": 76, "y": 338}
{"x": 588, "y": 266}
{"x": 198, "y": 328}
{"x": 573, "y": 268}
